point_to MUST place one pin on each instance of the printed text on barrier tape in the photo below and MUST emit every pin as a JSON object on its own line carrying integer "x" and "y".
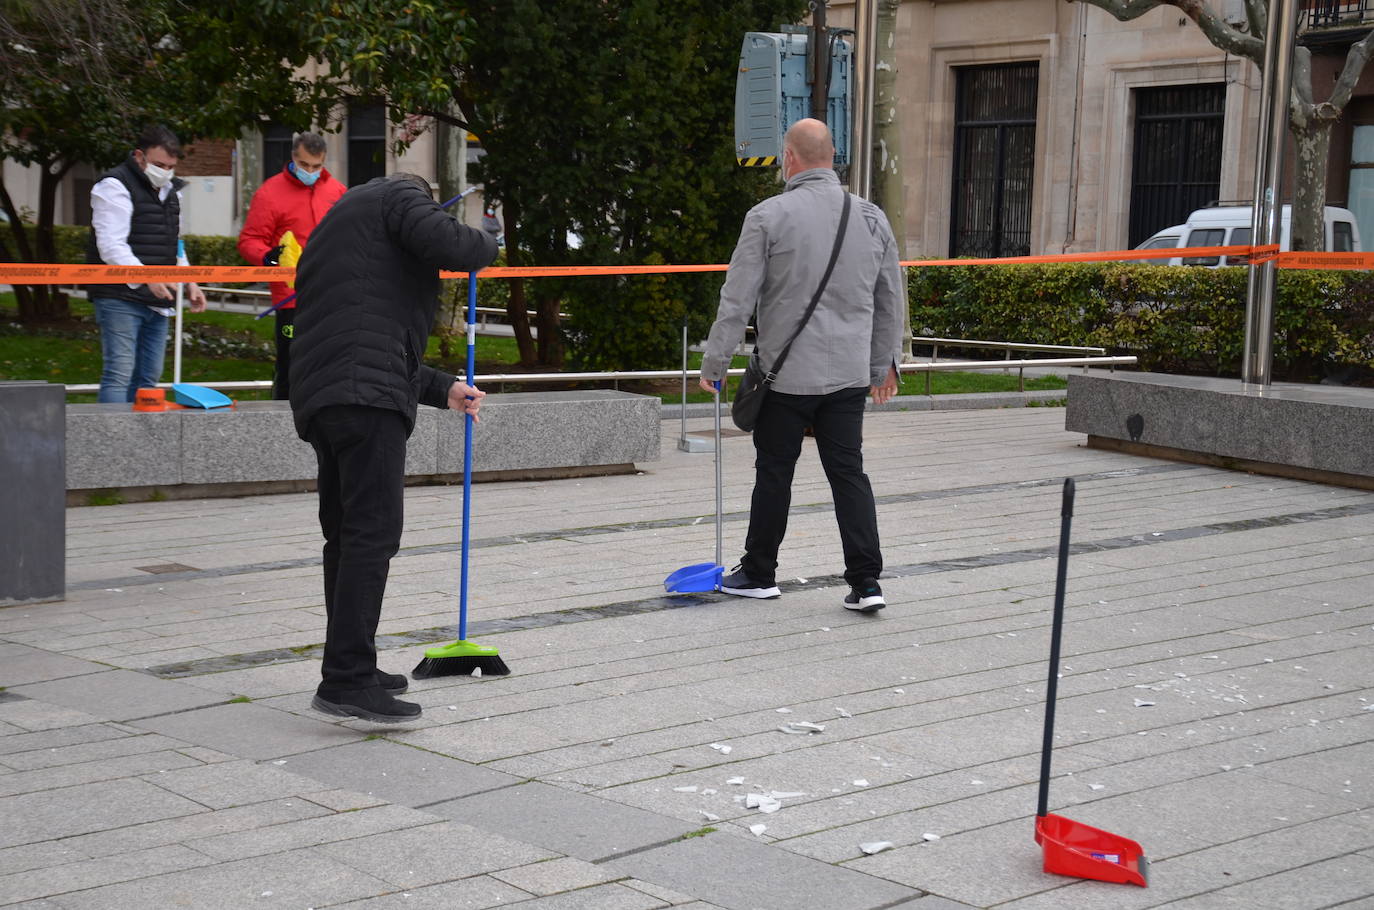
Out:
{"x": 46, "y": 273}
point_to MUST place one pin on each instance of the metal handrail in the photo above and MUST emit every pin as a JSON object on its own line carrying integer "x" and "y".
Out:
{"x": 1008, "y": 346}
{"x": 501, "y": 379}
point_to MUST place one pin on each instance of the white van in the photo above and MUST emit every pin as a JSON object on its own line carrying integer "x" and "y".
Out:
{"x": 1229, "y": 225}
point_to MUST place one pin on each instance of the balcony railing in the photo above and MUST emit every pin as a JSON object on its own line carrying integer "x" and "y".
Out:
{"x": 1335, "y": 14}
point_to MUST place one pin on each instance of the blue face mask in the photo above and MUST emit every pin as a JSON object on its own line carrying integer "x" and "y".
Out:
{"x": 306, "y": 177}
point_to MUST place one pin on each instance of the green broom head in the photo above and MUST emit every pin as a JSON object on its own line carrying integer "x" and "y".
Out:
{"x": 462, "y": 658}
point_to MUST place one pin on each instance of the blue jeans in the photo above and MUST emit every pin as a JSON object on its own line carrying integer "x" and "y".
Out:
{"x": 133, "y": 342}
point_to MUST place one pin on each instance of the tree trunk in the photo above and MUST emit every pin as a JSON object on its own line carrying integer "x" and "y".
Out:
{"x": 23, "y": 293}
{"x": 550, "y": 335}
{"x": 888, "y": 191}
{"x": 1313, "y": 143}
{"x": 516, "y": 306}
{"x": 52, "y": 301}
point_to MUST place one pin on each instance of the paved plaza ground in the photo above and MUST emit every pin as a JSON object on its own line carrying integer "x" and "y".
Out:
{"x": 157, "y": 748}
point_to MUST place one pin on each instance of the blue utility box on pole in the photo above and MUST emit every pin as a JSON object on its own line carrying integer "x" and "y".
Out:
{"x": 772, "y": 93}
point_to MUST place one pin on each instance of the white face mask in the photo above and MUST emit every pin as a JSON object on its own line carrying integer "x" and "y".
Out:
{"x": 158, "y": 176}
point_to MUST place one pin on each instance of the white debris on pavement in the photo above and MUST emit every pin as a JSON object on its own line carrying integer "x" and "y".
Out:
{"x": 877, "y": 846}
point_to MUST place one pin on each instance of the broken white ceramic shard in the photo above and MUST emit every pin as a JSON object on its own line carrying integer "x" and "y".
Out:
{"x": 784, "y": 710}
{"x": 861, "y": 783}
{"x": 805, "y": 726}
{"x": 721, "y": 748}
{"x": 1097, "y": 786}
{"x": 786, "y": 794}
{"x": 476, "y": 671}
{"x": 709, "y": 816}
{"x": 1144, "y": 703}
{"x": 877, "y": 846}
{"x": 843, "y": 713}
{"x": 757, "y": 830}
{"x": 735, "y": 781}
{"x": 929, "y": 836}
{"x": 684, "y": 789}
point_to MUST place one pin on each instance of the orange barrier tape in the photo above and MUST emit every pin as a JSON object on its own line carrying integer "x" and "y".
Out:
{"x": 582, "y": 271}
{"x": 25, "y": 273}
{"x": 1347, "y": 261}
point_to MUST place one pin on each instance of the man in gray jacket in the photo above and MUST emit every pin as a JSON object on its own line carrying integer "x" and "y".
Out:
{"x": 848, "y": 349}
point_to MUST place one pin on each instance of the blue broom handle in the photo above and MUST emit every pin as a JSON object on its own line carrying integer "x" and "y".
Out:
{"x": 467, "y": 458}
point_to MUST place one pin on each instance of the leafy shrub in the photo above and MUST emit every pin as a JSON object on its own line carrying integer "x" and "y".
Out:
{"x": 1175, "y": 319}
{"x": 201, "y": 249}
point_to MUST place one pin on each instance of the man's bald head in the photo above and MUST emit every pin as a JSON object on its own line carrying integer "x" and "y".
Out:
{"x": 810, "y": 144}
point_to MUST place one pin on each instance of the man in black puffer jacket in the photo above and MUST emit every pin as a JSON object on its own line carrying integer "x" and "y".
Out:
{"x": 368, "y": 290}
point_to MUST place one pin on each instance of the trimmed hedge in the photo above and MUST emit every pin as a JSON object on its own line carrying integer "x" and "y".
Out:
{"x": 201, "y": 249}
{"x": 1176, "y": 319}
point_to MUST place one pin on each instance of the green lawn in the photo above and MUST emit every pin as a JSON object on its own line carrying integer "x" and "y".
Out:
{"x": 72, "y": 355}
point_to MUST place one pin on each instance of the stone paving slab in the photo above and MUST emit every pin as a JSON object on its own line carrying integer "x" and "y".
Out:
{"x": 729, "y": 872}
{"x": 574, "y": 824}
{"x": 250, "y": 730}
{"x": 121, "y": 694}
{"x": 1241, "y": 606}
{"x": 398, "y": 773}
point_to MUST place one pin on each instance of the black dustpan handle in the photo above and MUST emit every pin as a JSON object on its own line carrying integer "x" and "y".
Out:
{"x": 1056, "y": 634}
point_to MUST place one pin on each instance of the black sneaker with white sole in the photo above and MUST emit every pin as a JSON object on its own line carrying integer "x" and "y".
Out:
{"x": 740, "y": 584}
{"x": 373, "y": 703}
{"x": 866, "y": 598}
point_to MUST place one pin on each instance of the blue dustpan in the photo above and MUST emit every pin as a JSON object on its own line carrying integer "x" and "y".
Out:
{"x": 703, "y": 576}
{"x": 198, "y": 396}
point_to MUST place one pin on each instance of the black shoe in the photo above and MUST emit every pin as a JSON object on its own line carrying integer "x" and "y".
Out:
{"x": 739, "y": 583}
{"x": 372, "y": 703}
{"x": 866, "y": 598}
{"x": 393, "y": 683}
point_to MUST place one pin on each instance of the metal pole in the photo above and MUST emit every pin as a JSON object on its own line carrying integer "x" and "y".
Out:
{"x": 820, "y": 62}
{"x": 682, "y": 437}
{"x": 1266, "y": 221}
{"x": 1042, "y": 806}
{"x": 861, "y": 136}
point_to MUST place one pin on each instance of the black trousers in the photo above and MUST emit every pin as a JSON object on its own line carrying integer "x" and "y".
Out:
{"x": 361, "y": 453}
{"x": 837, "y": 420}
{"x": 286, "y": 329}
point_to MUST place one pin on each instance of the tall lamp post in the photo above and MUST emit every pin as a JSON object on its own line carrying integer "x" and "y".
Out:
{"x": 1267, "y": 220}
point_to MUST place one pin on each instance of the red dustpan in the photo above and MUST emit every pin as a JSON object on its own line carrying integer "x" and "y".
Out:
{"x": 1073, "y": 848}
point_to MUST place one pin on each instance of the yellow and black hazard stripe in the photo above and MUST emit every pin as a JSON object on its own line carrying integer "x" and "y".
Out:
{"x": 760, "y": 161}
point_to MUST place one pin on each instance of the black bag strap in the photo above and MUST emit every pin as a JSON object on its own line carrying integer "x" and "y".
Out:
{"x": 816, "y": 298}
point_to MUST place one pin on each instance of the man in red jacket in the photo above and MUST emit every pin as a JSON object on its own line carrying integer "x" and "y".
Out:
{"x": 294, "y": 200}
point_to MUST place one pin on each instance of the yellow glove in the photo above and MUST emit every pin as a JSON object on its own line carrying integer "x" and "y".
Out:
{"x": 290, "y": 254}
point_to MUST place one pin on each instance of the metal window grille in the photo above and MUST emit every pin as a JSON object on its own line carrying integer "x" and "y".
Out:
{"x": 276, "y": 148}
{"x": 994, "y": 160}
{"x": 1334, "y": 13}
{"x": 1176, "y": 164}
{"x": 366, "y": 141}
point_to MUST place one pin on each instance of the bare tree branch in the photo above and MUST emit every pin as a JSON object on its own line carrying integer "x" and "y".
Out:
{"x": 1355, "y": 60}
{"x": 1125, "y": 10}
{"x": 1222, "y": 35}
{"x": 1257, "y": 14}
